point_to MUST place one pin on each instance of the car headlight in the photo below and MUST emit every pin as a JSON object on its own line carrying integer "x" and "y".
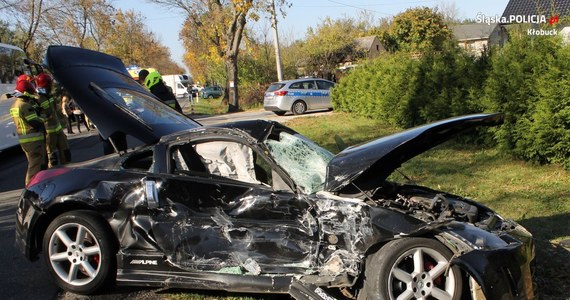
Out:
{"x": 476, "y": 237}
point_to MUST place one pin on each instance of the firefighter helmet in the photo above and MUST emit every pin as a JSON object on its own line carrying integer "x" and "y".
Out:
{"x": 43, "y": 80}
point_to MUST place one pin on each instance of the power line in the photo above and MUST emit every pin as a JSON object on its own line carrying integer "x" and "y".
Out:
{"x": 363, "y": 7}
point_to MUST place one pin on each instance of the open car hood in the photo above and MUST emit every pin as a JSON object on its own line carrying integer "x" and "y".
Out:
{"x": 110, "y": 97}
{"x": 369, "y": 164}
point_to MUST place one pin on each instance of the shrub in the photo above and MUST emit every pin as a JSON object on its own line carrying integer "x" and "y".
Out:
{"x": 251, "y": 95}
{"x": 530, "y": 82}
{"x": 406, "y": 92}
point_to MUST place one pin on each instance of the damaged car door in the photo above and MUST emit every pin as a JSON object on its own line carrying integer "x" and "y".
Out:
{"x": 224, "y": 209}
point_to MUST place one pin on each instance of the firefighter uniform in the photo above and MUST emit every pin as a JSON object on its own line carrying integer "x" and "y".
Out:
{"x": 30, "y": 129}
{"x": 56, "y": 141}
{"x": 153, "y": 81}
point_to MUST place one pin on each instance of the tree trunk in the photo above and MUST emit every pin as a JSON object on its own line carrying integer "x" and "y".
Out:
{"x": 232, "y": 84}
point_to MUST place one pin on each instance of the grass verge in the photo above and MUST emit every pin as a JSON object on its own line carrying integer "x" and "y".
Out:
{"x": 207, "y": 107}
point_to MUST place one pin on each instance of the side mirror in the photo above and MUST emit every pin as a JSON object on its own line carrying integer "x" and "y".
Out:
{"x": 151, "y": 194}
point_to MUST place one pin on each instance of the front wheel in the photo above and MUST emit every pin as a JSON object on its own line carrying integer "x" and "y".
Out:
{"x": 411, "y": 268}
{"x": 210, "y": 96}
{"x": 78, "y": 249}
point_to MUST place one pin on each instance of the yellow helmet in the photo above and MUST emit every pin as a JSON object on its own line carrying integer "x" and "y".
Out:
{"x": 152, "y": 78}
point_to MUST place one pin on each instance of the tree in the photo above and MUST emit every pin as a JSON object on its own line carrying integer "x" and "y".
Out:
{"x": 91, "y": 24}
{"x": 217, "y": 26}
{"x": 331, "y": 43}
{"x": 27, "y": 16}
{"x": 83, "y": 23}
{"x": 528, "y": 83}
{"x": 135, "y": 45}
{"x": 417, "y": 30}
{"x": 6, "y": 34}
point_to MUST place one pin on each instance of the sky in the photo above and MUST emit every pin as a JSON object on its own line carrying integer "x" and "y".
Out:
{"x": 304, "y": 14}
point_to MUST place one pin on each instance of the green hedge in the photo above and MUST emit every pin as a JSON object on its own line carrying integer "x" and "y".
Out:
{"x": 528, "y": 80}
{"x": 407, "y": 91}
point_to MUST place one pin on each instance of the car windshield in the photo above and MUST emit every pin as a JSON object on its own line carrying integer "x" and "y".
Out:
{"x": 303, "y": 160}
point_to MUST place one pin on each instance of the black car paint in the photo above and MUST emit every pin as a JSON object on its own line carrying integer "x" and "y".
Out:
{"x": 255, "y": 239}
{"x": 100, "y": 71}
{"x": 327, "y": 236}
{"x": 370, "y": 163}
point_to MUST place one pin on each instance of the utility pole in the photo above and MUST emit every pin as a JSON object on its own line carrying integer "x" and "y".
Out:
{"x": 276, "y": 41}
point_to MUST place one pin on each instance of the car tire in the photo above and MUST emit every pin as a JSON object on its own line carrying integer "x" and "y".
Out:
{"x": 412, "y": 267}
{"x": 280, "y": 113}
{"x": 79, "y": 251}
{"x": 299, "y": 107}
{"x": 210, "y": 96}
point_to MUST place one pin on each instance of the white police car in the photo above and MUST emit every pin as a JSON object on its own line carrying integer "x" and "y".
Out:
{"x": 298, "y": 96}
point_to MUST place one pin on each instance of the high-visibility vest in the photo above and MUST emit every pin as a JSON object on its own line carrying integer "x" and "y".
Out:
{"x": 22, "y": 111}
{"x": 49, "y": 114}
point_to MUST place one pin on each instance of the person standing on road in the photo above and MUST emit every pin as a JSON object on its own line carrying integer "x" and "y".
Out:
{"x": 153, "y": 81}
{"x": 30, "y": 127}
{"x": 79, "y": 116}
{"x": 67, "y": 111}
{"x": 57, "y": 146}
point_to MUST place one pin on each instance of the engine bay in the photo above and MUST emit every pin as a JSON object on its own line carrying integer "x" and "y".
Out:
{"x": 430, "y": 206}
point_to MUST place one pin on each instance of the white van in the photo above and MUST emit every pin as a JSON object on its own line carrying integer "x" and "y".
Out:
{"x": 179, "y": 84}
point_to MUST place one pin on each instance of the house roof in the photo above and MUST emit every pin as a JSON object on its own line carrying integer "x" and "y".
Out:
{"x": 365, "y": 42}
{"x": 477, "y": 31}
{"x": 534, "y": 7}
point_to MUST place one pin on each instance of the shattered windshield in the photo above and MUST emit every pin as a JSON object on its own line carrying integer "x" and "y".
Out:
{"x": 302, "y": 159}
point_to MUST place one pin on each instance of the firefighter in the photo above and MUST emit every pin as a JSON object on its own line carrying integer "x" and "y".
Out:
{"x": 56, "y": 141}
{"x": 153, "y": 82}
{"x": 29, "y": 126}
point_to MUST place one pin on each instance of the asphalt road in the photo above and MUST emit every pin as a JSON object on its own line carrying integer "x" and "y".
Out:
{"x": 21, "y": 279}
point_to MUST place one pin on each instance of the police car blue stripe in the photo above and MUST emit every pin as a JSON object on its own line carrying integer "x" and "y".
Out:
{"x": 307, "y": 94}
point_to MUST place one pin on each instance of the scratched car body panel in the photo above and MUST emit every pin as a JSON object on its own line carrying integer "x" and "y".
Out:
{"x": 254, "y": 206}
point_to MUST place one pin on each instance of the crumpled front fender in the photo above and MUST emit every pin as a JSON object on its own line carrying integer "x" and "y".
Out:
{"x": 499, "y": 263}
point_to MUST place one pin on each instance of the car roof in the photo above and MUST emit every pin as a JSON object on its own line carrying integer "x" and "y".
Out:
{"x": 299, "y": 79}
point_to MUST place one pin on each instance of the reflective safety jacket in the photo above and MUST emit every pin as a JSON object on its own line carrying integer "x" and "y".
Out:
{"x": 29, "y": 126}
{"x": 49, "y": 114}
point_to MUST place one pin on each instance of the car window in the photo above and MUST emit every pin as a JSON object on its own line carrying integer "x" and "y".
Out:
{"x": 150, "y": 112}
{"x": 324, "y": 85}
{"x": 304, "y": 161}
{"x": 227, "y": 159}
{"x": 309, "y": 85}
{"x": 304, "y": 85}
{"x": 296, "y": 85}
{"x": 274, "y": 87}
{"x": 139, "y": 161}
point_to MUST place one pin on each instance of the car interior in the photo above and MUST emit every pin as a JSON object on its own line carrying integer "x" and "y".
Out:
{"x": 226, "y": 159}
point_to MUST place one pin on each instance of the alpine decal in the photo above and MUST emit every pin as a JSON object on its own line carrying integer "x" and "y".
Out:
{"x": 152, "y": 262}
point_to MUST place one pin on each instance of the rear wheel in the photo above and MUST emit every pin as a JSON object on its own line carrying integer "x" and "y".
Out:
{"x": 78, "y": 250}
{"x": 299, "y": 107}
{"x": 210, "y": 96}
{"x": 411, "y": 268}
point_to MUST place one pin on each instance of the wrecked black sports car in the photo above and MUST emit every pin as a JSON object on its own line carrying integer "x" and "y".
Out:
{"x": 254, "y": 206}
